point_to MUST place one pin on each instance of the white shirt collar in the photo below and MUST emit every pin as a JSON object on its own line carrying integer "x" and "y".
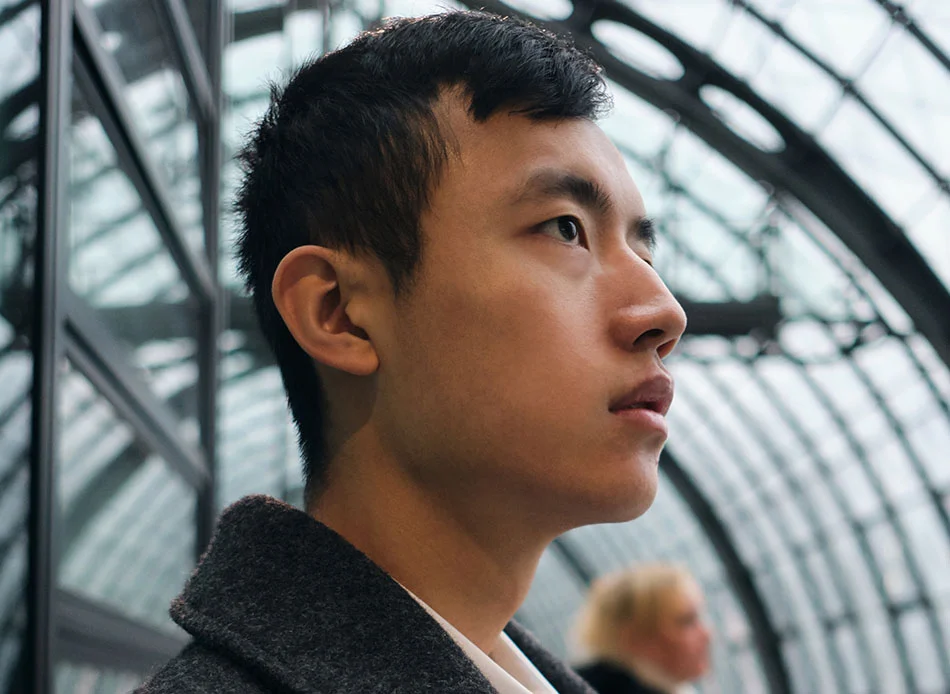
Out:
{"x": 506, "y": 668}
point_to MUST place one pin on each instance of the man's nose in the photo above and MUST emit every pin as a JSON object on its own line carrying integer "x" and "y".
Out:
{"x": 650, "y": 318}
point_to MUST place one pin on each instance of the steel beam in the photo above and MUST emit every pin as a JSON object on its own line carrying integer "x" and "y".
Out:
{"x": 211, "y": 314}
{"x": 46, "y": 338}
{"x": 93, "y": 634}
{"x": 91, "y": 349}
{"x": 101, "y": 82}
{"x": 193, "y": 67}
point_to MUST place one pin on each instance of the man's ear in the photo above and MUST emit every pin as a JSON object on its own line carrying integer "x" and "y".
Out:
{"x": 311, "y": 293}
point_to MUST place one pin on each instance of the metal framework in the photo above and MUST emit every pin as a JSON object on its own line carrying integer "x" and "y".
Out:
{"x": 64, "y": 626}
{"x": 750, "y": 512}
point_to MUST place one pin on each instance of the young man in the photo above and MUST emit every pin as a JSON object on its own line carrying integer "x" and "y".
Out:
{"x": 453, "y": 267}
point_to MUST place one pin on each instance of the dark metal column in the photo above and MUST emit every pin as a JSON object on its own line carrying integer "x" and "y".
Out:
{"x": 213, "y": 312}
{"x": 56, "y": 37}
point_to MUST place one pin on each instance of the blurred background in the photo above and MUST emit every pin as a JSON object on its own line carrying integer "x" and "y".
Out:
{"x": 796, "y": 157}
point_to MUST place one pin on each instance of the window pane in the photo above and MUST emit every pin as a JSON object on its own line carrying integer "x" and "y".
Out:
{"x": 257, "y": 448}
{"x": 85, "y": 679}
{"x": 119, "y": 266}
{"x": 158, "y": 99}
{"x": 128, "y": 521}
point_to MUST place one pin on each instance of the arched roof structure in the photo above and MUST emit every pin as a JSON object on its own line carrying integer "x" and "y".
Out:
{"x": 795, "y": 155}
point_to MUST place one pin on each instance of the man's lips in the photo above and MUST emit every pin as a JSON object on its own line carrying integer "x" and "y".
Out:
{"x": 654, "y": 394}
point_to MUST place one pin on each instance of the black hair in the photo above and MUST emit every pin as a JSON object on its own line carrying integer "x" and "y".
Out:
{"x": 348, "y": 151}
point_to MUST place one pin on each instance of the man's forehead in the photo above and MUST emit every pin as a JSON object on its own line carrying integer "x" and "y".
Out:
{"x": 511, "y": 152}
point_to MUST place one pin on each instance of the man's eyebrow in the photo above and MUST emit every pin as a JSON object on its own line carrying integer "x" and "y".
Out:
{"x": 551, "y": 183}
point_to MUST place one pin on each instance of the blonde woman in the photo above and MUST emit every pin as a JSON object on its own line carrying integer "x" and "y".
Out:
{"x": 643, "y": 632}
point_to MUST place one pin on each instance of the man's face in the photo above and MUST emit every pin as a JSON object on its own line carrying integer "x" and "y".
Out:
{"x": 522, "y": 370}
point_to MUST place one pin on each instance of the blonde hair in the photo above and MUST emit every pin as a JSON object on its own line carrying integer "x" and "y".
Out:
{"x": 637, "y": 599}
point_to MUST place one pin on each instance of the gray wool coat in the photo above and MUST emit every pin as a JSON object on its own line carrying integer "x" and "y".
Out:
{"x": 281, "y": 603}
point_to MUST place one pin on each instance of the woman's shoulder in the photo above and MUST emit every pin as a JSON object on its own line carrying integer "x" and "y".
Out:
{"x": 609, "y": 678}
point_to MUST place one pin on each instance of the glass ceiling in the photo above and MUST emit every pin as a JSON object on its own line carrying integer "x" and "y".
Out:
{"x": 849, "y": 72}
{"x": 819, "y": 437}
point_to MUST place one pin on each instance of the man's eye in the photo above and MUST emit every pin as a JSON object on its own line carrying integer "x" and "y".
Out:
{"x": 565, "y": 228}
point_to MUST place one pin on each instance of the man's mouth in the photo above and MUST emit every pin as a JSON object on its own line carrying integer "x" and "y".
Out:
{"x": 654, "y": 394}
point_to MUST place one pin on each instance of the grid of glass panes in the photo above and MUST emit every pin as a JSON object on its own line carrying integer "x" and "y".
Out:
{"x": 130, "y": 463}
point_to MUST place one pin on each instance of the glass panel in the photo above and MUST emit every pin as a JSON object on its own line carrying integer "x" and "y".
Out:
{"x": 886, "y": 171}
{"x": 413, "y": 8}
{"x": 158, "y": 99}
{"x": 19, "y": 142}
{"x": 556, "y": 595}
{"x": 540, "y": 9}
{"x": 701, "y": 24}
{"x": 930, "y": 439}
{"x": 934, "y": 17}
{"x": 886, "y": 660}
{"x": 931, "y": 546}
{"x": 800, "y": 666}
{"x": 256, "y": 441}
{"x": 856, "y": 667}
{"x": 247, "y": 66}
{"x": 261, "y": 458}
{"x": 73, "y": 678}
{"x": 924, "y": 659}
{"x": 907, "y": 84}
{"x": 886, "y": 547}
{"x": 794, "y": 84}
{"x": 128, "y": 521}
{"x": 119, "y": 265}
{"x": 742, "y": 118}
{"x": 637, "y": 50}
{"x": 715, "y": 181}
{"x": 654, "y": 127}
{"x": 845, "y": 33}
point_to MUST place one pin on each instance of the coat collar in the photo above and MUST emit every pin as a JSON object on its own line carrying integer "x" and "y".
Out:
{"x": 293, "y": 601}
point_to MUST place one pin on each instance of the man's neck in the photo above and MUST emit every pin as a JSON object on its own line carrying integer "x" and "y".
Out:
{"x": 472, "y": 566}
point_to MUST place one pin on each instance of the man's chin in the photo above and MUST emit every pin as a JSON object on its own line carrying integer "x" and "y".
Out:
{"x": 621, "y": 502}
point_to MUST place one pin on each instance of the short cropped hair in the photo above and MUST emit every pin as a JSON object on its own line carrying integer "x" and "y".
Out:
{"x": 350, "y": 149}
{"x": 638, "y": 599}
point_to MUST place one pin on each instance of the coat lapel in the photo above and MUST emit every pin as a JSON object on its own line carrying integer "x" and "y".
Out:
{"x": 288, "y": 598}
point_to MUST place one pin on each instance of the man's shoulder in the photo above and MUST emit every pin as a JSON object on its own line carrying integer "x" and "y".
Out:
{"x": 200, "y": 670}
